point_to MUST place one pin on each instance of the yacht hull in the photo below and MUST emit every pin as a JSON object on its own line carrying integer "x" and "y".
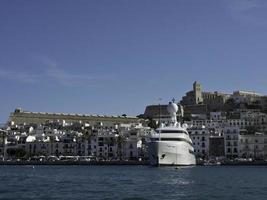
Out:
{"x": 171, "y": 153}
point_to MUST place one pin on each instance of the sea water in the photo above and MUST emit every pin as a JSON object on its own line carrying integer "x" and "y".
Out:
{"x": 133, "y": 182}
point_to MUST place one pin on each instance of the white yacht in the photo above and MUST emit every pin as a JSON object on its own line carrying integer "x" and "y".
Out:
{"x": 171, "y": 144}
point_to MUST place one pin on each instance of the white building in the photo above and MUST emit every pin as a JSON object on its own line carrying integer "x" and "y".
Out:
{"x": 245, "y": 96}
{"x": 248, "y": 120}
{"x": 200, "y": 139}
{"x": 123, "y": 141}
{"x": 216, "y": 116}
{"x": 133, "y": 145}
{"x": 103, "y": 145}
{"x": 231, "y": 136}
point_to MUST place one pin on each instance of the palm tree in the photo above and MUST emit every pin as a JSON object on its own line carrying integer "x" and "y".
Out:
{"x": 110, "y": 142}
{"x": 87, "y": 135}
{"x": 51, "y": 140}
{"x": 3, "y": 135}
{"x": 121, "y": 140}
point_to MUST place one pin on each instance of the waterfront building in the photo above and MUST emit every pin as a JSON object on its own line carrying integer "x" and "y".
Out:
{"x": 124, "y": 141}
{"x": 134, "y": 141}
{"x": 253, "y": 146}
{"x": 231, "y": 141}
{"x": 103, "y": 144}
{"x": 133, "y": 146}
{"x": 216, "y": 146}
{"x": 200, "y": 139}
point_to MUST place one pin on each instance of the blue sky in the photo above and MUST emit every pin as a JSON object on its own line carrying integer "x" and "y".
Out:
{"x": 115, "y": 57}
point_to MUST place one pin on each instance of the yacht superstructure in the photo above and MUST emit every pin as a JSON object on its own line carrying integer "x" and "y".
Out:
{"x": 171, "y": 144}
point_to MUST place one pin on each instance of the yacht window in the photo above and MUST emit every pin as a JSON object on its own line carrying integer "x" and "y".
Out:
{"x": 172, "y": 139}
{"x": 171, "y": 131}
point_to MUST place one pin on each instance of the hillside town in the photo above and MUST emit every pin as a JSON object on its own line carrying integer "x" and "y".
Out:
{"x": 221, "y": 127}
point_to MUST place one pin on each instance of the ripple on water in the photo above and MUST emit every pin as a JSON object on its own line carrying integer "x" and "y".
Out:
{"x": 132, "y": 182}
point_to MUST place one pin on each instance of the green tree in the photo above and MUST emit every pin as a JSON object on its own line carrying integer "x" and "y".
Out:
{"x": 11, "y": 152}
{"x": 121, "y": 140}
{"x": 152, "y": 124}
{"x": 20, "y": 153}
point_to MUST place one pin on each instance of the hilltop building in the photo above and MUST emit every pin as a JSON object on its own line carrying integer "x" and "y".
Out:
{"x": 245, "y": 96}
{"x": 20, "y": 116}
{"x": 159, "y": 113}
{"x": 199, "y": 102}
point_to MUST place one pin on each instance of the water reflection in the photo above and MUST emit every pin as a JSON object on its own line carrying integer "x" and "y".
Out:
{"x": 132, "y": 182}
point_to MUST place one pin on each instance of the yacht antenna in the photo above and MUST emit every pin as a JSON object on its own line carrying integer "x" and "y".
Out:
{"x": 159, "y": 116}
{"x": 159, "y": 111}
